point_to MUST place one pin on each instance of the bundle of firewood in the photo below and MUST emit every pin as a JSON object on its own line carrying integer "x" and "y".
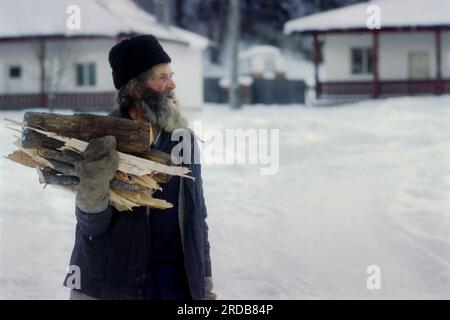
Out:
{"x": 141, "y": 169}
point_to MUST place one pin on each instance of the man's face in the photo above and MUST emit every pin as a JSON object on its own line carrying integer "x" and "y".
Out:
{"x": 161, "y": 79}
{"x": 157, "y": 100}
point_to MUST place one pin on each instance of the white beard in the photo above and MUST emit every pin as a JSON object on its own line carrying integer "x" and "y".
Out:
{"x": 163, "y": 111}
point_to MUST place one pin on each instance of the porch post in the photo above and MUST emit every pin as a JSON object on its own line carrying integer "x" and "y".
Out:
{"x": 375, "y": 55}
{"x": 439, "y": 84}
{"x": 316, "y": 64}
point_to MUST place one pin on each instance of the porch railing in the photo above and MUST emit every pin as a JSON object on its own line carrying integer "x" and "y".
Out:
{"x": 77, "y": 101}
{"x": 386, "y": 88}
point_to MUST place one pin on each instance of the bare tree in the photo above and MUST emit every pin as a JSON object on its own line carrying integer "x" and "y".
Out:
{"x": 179, "y": 13}
{"x": 53, "y": 69}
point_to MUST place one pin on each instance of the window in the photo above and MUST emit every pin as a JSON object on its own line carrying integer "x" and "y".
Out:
{"x": 15, "y": 72}
{"x": 86, "y": 74}
{"x": 419, "y": 65}
{"x": 362, "y": 60}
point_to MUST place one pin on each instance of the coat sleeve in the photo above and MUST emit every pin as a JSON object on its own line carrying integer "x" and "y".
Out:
{"x": 208, "y": 271}
{"x": 94, "y": 225}
{"x": 201, "y": 200}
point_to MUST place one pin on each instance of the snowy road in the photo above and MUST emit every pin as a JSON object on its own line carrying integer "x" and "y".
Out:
{"x": 358, "y": 185}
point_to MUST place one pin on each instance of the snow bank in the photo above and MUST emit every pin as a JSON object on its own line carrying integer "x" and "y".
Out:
{"x": 360, "y": 184}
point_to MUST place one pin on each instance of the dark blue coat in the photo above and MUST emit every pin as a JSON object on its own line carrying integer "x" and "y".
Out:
{"x": 111, "y": 247}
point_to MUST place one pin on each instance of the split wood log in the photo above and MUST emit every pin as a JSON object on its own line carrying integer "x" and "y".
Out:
{"x": 53, "y": 155}
{"x": 133, "y": 185}
{"x": 118, "y": 199}
{"x": 123, "y": 204}
{"x": 50, "y": 176}
{"x": 61, "y": 173}
{"x": 29, "y": 158}
{"x": 47, "y": 148}
{"x": 23, "y": 158}
{"x": 157, "y": 156}
{"x": 40, "y": 143}
{"x": 142, "y": 199}
{"x": 62, "y": 167}
{"x": 127, "y": 163}
{"x": 131, "y": 136}
{"x": 32, "y": 139}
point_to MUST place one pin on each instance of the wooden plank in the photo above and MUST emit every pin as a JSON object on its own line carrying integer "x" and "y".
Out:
{"x": 23, "y": 158}
{"x": 144, "y": 200}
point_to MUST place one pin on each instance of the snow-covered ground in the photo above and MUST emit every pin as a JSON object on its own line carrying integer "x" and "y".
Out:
{"x": 358, "y": 185}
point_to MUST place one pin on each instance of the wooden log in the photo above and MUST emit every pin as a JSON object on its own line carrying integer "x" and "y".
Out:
{"x": 146, "y": 181}
{"x": 39, "y": 160}
{"x": 32, "y": 158}
{"x": 63, "y": 167}
{"x": 143, "y": 199}
{"x": 63, "y": 174}
{"x": 46, "y": 142}
{"x": 32, "y": 139}
{"x": 118, "y": 201}
{"x": 39, "y": 141}
{"x": 127, "y": 162}
{"x": 47, "y": 148}
{"x": 50, "y": 176}
{"x": 157, "y": 156}
{"x": 124, "y": 135}
{"x": 160, "y": 177}
{"x": 53, "y": 155}
{"x": 132, "y": 136}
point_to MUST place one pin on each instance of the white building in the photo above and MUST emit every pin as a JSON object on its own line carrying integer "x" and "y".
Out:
{"x": 57, "y": 51}
{"x": 408, "y": 53}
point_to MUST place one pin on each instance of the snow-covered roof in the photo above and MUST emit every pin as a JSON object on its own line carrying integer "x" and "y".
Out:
{"x": 393, "y": 14}
{"x": 259, "y": 50}
{"x": 106, "y": 18}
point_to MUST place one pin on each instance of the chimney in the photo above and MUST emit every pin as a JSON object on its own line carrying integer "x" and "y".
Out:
{"x": 162, "y": 11}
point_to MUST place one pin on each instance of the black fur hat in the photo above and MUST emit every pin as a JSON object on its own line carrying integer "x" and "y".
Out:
{"x": 132, "y": 56}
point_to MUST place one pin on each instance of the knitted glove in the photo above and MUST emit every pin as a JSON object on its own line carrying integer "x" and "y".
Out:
{"x": 209, "y": 285}
{"x": 95, "y": 168}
